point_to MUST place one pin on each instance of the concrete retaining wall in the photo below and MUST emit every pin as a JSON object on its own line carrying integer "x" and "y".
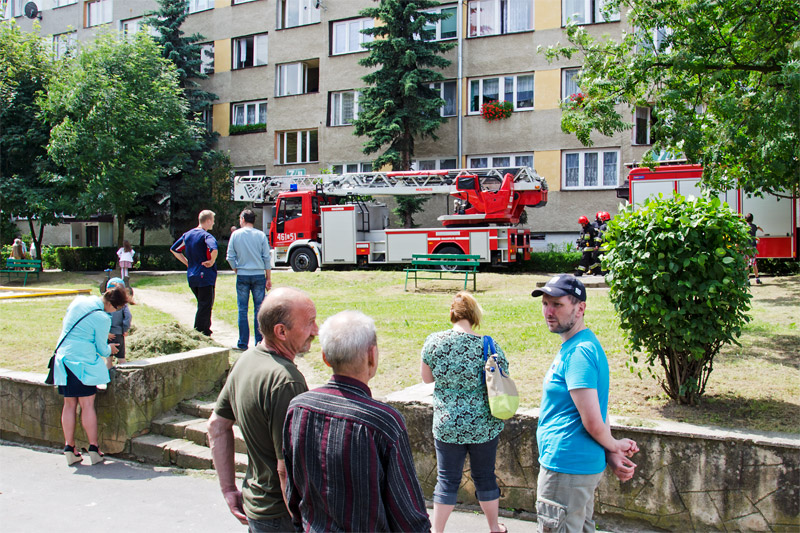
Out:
{"x": 689, "y": 478}
{"x": 30, "y": 411}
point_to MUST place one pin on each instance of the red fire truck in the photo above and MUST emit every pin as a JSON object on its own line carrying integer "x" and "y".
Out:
{"x": 776, "y": 215}
{"x": 323, "y": 220}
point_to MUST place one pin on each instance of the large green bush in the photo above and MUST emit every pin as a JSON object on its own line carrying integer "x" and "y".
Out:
{"x": 679, "y": 283}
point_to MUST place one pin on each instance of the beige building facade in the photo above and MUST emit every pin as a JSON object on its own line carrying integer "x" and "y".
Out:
{"x": 287, "y": 76}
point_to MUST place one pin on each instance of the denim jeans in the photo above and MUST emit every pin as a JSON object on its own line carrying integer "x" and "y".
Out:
{"x": 284, "y": 523}
{"x": 244, "y": 286}
{"x": 450, "y": 465}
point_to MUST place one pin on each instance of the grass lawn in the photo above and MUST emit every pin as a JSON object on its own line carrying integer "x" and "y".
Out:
{"x": 754, "y": 386}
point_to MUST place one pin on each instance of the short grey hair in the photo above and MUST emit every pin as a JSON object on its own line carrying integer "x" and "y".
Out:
{"x": 346, "y": 337}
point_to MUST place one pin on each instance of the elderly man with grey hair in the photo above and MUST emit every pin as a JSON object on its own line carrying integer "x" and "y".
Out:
{"x": 348, "y": 458}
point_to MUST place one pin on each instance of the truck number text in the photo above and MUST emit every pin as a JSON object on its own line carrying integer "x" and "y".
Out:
{"x": 282, "y": 237}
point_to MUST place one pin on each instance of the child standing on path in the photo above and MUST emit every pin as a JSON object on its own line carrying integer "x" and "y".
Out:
{"x": 120, "y": 324}
{"x": 125, "y": 255}
{"x": 752, "y": 260}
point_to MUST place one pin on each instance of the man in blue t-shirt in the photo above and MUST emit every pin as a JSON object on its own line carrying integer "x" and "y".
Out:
{"x": 574, "y": 434}
{"x": 197, "y": 249}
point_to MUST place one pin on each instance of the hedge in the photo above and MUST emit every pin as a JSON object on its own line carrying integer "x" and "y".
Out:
{"x": 78, "y": 259}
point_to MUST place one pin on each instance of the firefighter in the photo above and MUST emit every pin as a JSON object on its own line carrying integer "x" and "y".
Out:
{"x": 586, "y": 244}
{"x": 601, "y": 225}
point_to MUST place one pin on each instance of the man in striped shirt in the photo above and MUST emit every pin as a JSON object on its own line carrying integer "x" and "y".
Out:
{"x": 348, "y": 458}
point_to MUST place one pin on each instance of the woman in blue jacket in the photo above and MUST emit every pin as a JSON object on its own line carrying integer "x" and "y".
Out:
{"x": 80, "y": 365}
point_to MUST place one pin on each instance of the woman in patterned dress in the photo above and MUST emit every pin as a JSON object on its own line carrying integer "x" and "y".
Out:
{"x": 462, "y": 422}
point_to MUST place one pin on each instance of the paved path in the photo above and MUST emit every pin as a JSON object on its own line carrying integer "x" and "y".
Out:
{"x": 39, "y": 492}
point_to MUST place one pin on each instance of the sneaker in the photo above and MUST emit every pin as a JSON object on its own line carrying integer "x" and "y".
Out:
{"x": 758, "y": 281}
{"x": 235, "y": 347}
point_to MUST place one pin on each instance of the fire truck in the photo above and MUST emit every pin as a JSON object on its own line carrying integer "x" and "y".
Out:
{"x": 330, "y": 220}
{"x": 776, "y": 215}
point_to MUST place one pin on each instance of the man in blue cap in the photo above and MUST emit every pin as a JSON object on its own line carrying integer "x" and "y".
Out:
{"x": 574, "y": 434}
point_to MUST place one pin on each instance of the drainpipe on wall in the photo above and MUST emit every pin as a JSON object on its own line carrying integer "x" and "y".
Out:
{"x": 460, "y": 83}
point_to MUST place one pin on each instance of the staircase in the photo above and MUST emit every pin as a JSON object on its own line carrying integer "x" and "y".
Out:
{"x": 180, "y": 438}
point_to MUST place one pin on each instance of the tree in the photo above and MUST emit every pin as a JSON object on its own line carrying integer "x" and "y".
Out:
{"x": 679, "y": 283}
{"x": 120, "y": 123}
{"x": 407, "y": 207}
{"x": 721, "y": 77}
{"x": 398, "y": 105}
{"x": 28, "y": 186}
{"x": 188, "y": 191}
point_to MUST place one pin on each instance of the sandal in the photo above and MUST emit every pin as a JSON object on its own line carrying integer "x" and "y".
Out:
{"x": 504, "y": 530}
{"x": 95, "y": 454}
{"x": 72, "y": 456}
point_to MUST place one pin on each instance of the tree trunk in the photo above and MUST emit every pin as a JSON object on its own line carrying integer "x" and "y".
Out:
{"x": 141, "y": 239}
{"x": 37, "y": 241}
{"x": 121, "y": 219}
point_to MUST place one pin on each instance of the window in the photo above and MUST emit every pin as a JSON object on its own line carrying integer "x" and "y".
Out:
{"x": 11, "y": 8}
{"x": 434, "y": 164}
{"x": 515, "y": 89}
{"x": 569, "y": 82}
{"x": 290, "y": 209}
{"x": 247, "y": 113}
{"x": 200, "y": 5}
{"x": 60, "y": 3}
{"x": 586, "y": 12}
{"x": 654, "y": 39}
{"x": 297, "y": 146}
{"x": 497, "y": 17}
{"x": 236, "y": 2}
{"x": 64, "y": 44}
{"x": 255, "y": 171}
{"x": 591, "y": 169}
{"x": 344, "y": 108}
{"x": 131, "y": 26}
{"x": 207, "y": 58}
{"x": 98, "y": 12}
{"x": 446, "y": 28}
{"x": 447, "y": 91}
{"x": 347, "y": 36}
{"x": 250, "y": 51}
{"x": 298, "y": 78}
{"x": 502, "y": 161}
{"x": 351, "y": 168}
{"x": 642, "y": 119}
{"x": 207, "y": 115}
{"x": 297, "y": 13}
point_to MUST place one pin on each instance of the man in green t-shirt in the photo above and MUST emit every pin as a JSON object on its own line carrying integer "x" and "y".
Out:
{"x": 256, "y": 396}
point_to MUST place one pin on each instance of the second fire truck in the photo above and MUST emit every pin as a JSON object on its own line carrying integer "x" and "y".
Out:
{"x": 323, "y": 220}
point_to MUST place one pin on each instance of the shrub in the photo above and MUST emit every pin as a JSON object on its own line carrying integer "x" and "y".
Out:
{"x": 679, "y": 283}
{"x": 239, "y": 129}
{"x": 555, "y": 262}
{"x": 75, "y": 259}
{"x": 779, "y": 267}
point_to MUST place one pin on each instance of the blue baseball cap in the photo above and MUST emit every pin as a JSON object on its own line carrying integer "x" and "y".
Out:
{"x": 115, "y": 281}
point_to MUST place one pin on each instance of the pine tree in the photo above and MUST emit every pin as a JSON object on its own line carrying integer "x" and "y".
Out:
{"x": 398, "y": 105}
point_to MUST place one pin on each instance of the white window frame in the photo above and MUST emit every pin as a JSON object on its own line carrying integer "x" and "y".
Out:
{"x": 502, "y": 90}
{"x": 196, "y": 6}
{"x": 435, "y": 163}
{"x": 337, "y": 108}
{"x": 257, "y": 105}
{"x": 592, "y": 12}
{"x": 62, "y": 3}
{"x": 600, "y": 154}
{"x": 492, "y": 17}
{"x": 307, "y": 13}
{"x": 11, "y": 9}
{"x": 440, "y": 86}
{"x": 254, "y": 171}
{"x": 64, "y": 44}
{"x": 207, "y": 58}
{"x": 260, "y": 45}
{"x": 437, "y": 26}
{"x": 492, "y": 160}
{"x": 291, "y": 76}
{"x": 567, "y": 77}
{"x": 303, "y": 146}
{"x": 98, "y": 12}
{"x": 237, "y": 2}
{"x": 351, "y": 168}
{"x": 646, "y": 114}
{"x": 353, "y": 38}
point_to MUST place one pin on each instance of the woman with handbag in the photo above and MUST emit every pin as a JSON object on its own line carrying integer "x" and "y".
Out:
{"x": 79, "y": 365}
{"x": 462, "y": 421}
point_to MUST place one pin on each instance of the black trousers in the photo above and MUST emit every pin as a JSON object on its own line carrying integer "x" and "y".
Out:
{"x": 205, "y": 301}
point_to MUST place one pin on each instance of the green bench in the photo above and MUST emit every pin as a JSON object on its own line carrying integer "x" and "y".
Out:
{"x": 22, "y": 267}
{"x": 455, "y": 266}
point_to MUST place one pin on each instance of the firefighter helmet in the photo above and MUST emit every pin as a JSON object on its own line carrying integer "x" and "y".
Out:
{"x": 583, "y": 220}
{"x": 598, "y": 215}
{"x": 606, "y": 216}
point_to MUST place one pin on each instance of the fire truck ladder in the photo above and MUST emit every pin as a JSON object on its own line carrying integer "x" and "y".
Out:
{"x": 264, "y": 189}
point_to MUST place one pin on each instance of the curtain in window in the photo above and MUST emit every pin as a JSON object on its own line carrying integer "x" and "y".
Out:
{"x": 348, "y": 108}
{"x": 474, "y": 96}
{"x": 574, "y": 10}
{"x": 251, "y": 114}
{"x": 478, "y": 162}
{"x": 427, "y": 165}
{"x": 447, "y": 164}
{"x": 610, "y": 169}
{"x": 449, "y": 95}
{"x": 241, "y": 53}
{"x": 524, "y": 92}
{"x": 518, "y": 15}
{"x": 524, "y": 161}
{"x": 483, "y": 18}
{"x": 262, "y": 113}
{"x": 491, "y": 90}
{"x": 572, "y": 170}
{"x": 238, "y": 115}
{"x": 590, "y": 169}
{"x": 570, "y": 83}
{"x": 501, "y": 162}
{"x": 508, "y": 89}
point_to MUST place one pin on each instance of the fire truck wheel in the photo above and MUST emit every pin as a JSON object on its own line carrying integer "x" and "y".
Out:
{"x": 452, "y": 250}
{"x": 303, "y": 260}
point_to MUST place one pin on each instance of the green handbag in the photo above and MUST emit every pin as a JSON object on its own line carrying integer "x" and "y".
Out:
{"x": 500, "y": 388}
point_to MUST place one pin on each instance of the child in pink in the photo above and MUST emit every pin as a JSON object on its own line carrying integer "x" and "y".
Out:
{"x": 125, "y": 255}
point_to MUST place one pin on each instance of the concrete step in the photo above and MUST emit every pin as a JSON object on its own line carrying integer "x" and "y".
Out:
{"x": 197, "y": 408}
{"x": 164, "y": 450}
{"x": 181, "y": 425}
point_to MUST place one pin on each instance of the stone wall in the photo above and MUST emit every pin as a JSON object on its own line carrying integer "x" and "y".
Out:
{"x": 140, "y": 391}
{"x": 689, "y": 478}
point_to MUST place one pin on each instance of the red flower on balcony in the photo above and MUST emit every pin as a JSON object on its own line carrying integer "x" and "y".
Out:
{"x": 492, "y": 111}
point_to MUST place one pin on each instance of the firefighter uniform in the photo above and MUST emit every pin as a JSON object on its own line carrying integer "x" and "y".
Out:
{"x": 587, "y": 244}
{"x": 600, "y": 228}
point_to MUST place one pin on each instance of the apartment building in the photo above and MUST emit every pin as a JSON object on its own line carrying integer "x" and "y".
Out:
{"x": 287, "y": 76}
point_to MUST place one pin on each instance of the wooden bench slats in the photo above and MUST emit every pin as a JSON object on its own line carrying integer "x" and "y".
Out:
{"x": 22, "y": 267}
{"x": 465, "y": 265}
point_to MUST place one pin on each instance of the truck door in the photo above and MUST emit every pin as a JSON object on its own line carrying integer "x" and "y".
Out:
{"x": 289, "y": 221}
